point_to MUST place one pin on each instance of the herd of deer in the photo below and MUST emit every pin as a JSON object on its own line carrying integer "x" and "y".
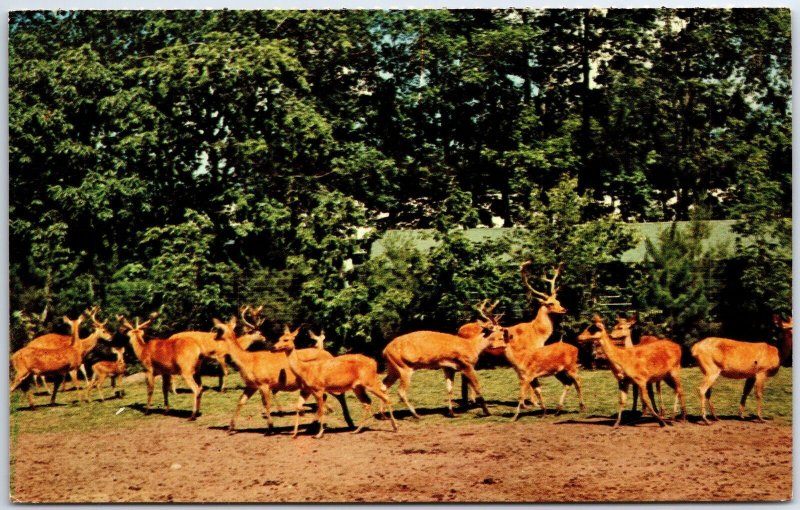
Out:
{"x": 316, "y": 372}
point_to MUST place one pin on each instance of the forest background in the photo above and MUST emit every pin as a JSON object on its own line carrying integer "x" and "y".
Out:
{"x": 192, "y": 161}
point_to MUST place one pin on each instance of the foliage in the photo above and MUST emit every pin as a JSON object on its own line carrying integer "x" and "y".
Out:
{"x": 187, "y": 161}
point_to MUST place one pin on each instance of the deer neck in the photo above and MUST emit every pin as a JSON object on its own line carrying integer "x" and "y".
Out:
{"x": 137, "y": 344}
{"x": 245, "y": 341}
{"x": 89, "y": 343}
{"x": 540, "y": 328}
{"x": 297, "y": 366}
{"x": 613, "y": 353}
{"x": 235, "y": 349}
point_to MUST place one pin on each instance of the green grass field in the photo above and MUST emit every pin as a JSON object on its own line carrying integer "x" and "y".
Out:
{"x": 500, "y": 388}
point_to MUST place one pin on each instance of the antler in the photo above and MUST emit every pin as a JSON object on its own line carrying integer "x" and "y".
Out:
{"x": 243, "y": 313}
{"x": 92, "y": 312}
{"x": 531, "y": 290}
{"x": 148, "y": 321}
{"x": 552, "y": 281}
{"x": 486, "y": 313}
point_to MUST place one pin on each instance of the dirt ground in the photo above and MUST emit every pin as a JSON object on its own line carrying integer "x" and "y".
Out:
{"x": 570, "y": 461}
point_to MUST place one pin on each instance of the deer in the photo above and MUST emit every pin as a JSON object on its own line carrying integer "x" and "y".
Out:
{"x": 104, "y": 369}
{"x": 217, "y": 350}
{"x": 622, "y": 333}
{"x": 33, "y": 323}
{"x": 347, "y": 372}
{"x": 57, "y": 341}
{"x": 266, "y": 371}
{"x": 60, "y": 361}
{"x": 639, "y": 364}
{"x": 164, "y": 357}
{"x": 752, "y": 361}
{"x": 528, "y": 336}
{"x": 435, "y": 350}
{"x": 558, "y": 359}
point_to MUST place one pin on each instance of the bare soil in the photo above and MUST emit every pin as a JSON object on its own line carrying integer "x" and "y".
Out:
{"x": 569, "y": 461}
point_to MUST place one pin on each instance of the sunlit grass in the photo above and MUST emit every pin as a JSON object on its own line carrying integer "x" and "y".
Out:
{"x": 428, "y": 394}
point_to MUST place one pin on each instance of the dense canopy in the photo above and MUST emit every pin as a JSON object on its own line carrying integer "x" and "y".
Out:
{"x": 190, "y": 161}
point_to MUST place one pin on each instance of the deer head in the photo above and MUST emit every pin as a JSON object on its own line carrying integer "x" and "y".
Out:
{"x": 594, "y": 331}
{"x": 319, "y": 339}
{"x": 99, "y": 327}
{"x": 547, "y": 300}
{"x": 286, "y": 341}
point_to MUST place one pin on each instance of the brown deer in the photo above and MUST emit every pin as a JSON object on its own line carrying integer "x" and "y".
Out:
{"x": 337, "y": 375}
{"x": 528, "y": 336}
{"x": 57, "y": 341}
{"x": 559, "y": 360}
{"x": 434, "y": 350}
{"x": 217, "y": 350}
{"x": 33, "y": 323}
{"x": 753, "y": 362}
{"x": 38, "y": 361}
{"x": 621, "y": 334}
{"x": 640, "y": 364}
{"x": 105, "y": 369}
{"x": 179, "y": 356}
{"x": 266, "y": 371}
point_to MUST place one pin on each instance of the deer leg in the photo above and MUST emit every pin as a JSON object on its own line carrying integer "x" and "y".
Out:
{"x": 623, "y": 394}
{"x": 748, "y": 387}
{"x": 523, "y": 385}
{"x": 301, "y": 400}
{"x": 345, "y": 410}
{"x": 635, "y": 398}
{"x": 266, "y": 401}
{"x": 246, "y": 394}
{"x": 193, "y": 380}
{"x": 56, "y": 383}
{"x": 648, "y": 403}
{"x": 660, "y": 407}
{"x": 99, "y": 385}
{"x": 82, "y": 369}
{"x": 449, "y": 375}
{"x": 469, "y": 372}
{"x": 18, "y": 381}
{"x": 150, "y": 380}
{"x": 405, "y": 382}
{"x": 579, "y": 389}
{"x": 224, "y": 373}
{"x": 536, "y": 389}
{"x": 321, "y": 414}
{"x": 166, "y": 385}
{"x": 761, "y": 379}
{"x": 705, "y": 394}
{"x": 361, "y": 395}
{"x": 173, "y": 386}
{"x": 381, "y": 394}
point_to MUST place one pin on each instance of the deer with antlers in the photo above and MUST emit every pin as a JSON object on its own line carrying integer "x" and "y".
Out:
{"x": 754, "y": 362}
{"x": 180, "y": 356}
{"x": 210, "y": 348}
{"x": 105, "y": 369}
{"x": 529, "y": 336}
{"x": 639, "y": 364}
{"x": 57, "y": 361}
{"x": 57, "y": 341}
{"x": 337, "y": 375}
{"x": 265, "y": 371}
{"x": 434, "y": 350}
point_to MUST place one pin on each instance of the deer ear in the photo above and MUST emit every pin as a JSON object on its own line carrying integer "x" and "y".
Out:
{"x": 286, "y": 329}
{"x": 66, "y": 320}
{"x": 218, "y": 323}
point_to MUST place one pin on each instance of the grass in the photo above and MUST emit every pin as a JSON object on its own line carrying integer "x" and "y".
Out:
{"x": 500, "y": 389}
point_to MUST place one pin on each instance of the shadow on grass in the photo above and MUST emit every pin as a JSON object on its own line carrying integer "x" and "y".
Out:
{"x": 39, "y": 406}
{"x": 629, "y": 419}
{"x": 177, "y": 413}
